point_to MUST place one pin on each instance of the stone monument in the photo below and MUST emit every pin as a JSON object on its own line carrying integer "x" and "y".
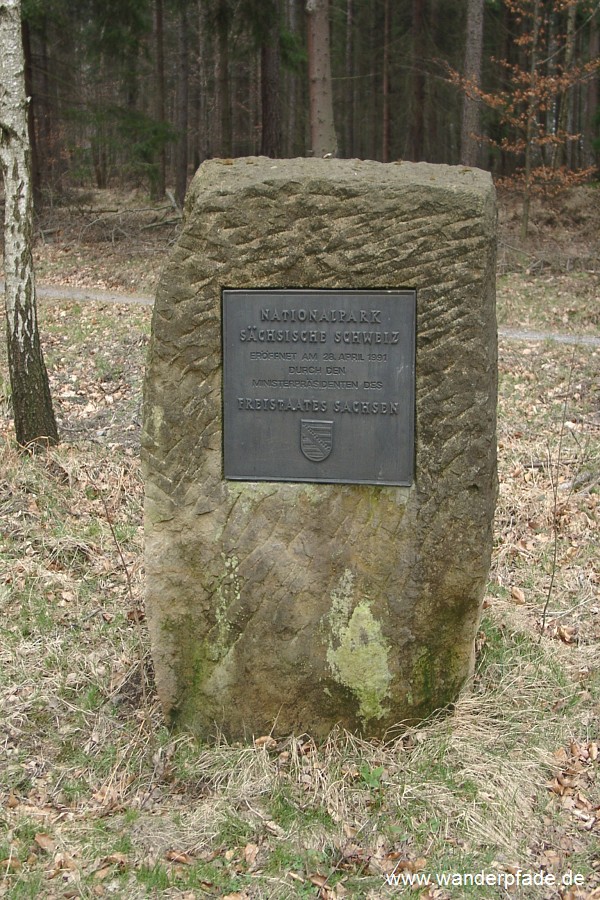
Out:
{"x": 319, "y": 445}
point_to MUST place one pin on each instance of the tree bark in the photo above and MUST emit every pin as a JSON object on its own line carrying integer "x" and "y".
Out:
{"x": 222, "y": 74}
{"x": 469, "y": 145}
{"x": 270, "y": 81}
{"x": 531, "y": 124}
{"x": 323, "y": 140}
{"x": 291, "y": 81}
{"x": 160, "y": 186}
{"x": 349, "y": 92}
{"x": 36, "y": 180}
{"x": 591, "y": 101}
{"x": 416, "y": 135}
{"x": 562, "y": 149}
{"x": 32, "y": 403}
{"x": 182, "y": 106}
{"x": 205, "y": 140}
{"x": 385, "y": 84}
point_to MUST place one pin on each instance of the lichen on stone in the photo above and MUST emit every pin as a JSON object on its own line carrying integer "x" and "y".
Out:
{"x": 358, "y": 654}
{"x": 228, "y": 589}
{"x": 341, "y": 604}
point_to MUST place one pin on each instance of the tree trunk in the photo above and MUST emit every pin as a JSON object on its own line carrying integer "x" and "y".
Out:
{"x": 270, "y": 80}
{"x": 349, "y": 92}
{"x": 416, "y": 136}
{"x": 160, "y": 186}
{"x": 32, "y": 403}
{"x": 562, "y": 149}
{"x": 591, "y": 100}
{"x": 323, "y": 138}
{"x": 469, "y": 145}
{"x": 182, "y": 106}
{"x": 223, "y": 88}
{"x": 36, "y": 180}
{"x": 205, "y": 73}
{"x": 385, "y": 84}
{"x": 531, "y": 124}
{"x": 47, "y": 113}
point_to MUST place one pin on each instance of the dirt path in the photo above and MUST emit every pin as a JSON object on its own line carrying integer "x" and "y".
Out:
{"x": 518, "y": 334}
{"x": 54, "y": 292}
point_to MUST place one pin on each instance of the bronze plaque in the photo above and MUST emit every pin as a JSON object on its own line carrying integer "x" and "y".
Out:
{"x": 319, "y": 386}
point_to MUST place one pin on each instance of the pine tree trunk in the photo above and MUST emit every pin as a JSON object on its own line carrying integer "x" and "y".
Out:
{"x": 270, "y": 81}
{"x": 469, "y": 145}
{"x": 205, "y": 72}
{"x": 323, "y": 138}
{"x": 223, "y": 86}
{"x": 36, "y": 181}
{"x": 349, "y": 93}
{"x": 182, "y": 106}
{"x": 416, "y": 135}
{"x": 290, "y": 108}
{"x": 385, "y": 85}
{"x": 160, "y": 187}
{"x": 32, "y": 404}
{"x": 47, "y": 114}
{"x": 562, "y": 147}
{"x": 591, "y": 100}
{"x": 531, "y": 124}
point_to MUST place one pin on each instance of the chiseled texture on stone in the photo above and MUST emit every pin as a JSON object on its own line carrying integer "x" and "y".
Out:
{"x": 298, "y": 606}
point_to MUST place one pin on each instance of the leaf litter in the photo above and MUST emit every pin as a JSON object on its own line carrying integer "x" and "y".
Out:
{"x": 99, "y": 798}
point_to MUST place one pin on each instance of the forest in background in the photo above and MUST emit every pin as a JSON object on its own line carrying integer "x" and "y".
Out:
{"x": 140, "y": 92}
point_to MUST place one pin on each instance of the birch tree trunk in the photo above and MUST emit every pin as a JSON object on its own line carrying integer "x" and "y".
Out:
{"x": 323, "y": 139}
{"x": 32, "y": 403}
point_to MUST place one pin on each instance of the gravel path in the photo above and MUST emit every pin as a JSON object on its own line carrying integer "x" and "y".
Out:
{"x": 56, "y": 292}
{"x": 53, "y": 292}
{"x": 518, "y": 334}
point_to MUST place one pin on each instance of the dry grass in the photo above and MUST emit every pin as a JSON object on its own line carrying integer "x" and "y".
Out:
{"x": 565, "y": 302}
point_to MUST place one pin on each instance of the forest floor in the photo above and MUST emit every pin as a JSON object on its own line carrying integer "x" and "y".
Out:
{"x": 99, "y": 799}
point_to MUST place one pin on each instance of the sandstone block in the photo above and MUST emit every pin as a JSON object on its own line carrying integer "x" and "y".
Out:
{"x": 296, "y": 606}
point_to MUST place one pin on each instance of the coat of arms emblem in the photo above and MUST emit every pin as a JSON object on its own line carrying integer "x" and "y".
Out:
{"x": 316, "y": 438}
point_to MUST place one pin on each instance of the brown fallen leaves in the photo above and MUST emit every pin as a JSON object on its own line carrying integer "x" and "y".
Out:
{"x": 568, "y": 634}
{"x": 576, "y": 766}
{"x": 518, "y": 596}
{"x": 109, "y": 864}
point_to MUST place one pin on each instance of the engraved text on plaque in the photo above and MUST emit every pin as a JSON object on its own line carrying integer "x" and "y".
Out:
{"x": 319, "y": 386}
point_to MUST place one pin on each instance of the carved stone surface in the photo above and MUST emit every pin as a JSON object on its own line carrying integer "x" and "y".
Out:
{"x": 296, "y": 606}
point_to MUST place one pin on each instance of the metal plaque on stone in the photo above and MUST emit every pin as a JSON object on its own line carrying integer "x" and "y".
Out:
{"x": 318, "y": 385}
